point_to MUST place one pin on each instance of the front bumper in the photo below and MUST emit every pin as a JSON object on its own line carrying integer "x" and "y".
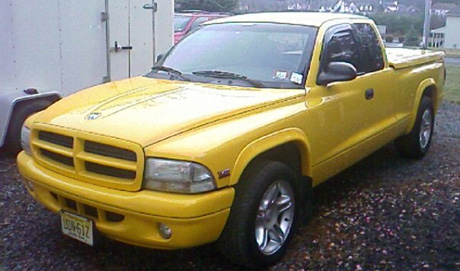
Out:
{"x": 132, "y": 217}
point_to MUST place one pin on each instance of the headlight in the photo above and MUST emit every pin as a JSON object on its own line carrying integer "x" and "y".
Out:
{"x": 25, "y": 140}
{"x": 177, "y": 176}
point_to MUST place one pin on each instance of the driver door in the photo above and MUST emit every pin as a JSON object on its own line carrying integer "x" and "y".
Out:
{"x": 341, "y": 113}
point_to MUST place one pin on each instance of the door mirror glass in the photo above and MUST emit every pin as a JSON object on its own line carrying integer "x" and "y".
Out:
{"x": 337, "y": 72}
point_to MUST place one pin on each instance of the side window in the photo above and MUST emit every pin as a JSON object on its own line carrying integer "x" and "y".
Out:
{"x": 370, "y": 46}
{"x": 198, "y": 21}
{"x": 341, "y": 46}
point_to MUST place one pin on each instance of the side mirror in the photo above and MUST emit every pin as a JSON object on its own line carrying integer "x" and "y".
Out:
{"x": 160, "y": 57}
{"x": 337, "y": 72}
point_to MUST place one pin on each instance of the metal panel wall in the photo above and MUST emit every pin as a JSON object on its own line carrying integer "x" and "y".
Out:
{"x": 119, "y": 33}
{"x": 7, "y": 69}
{"x": 60, "y": 45}
{"x": 82, "y": 44}
{"x": 141, "y": 38}
{"x": 30, "y": 57}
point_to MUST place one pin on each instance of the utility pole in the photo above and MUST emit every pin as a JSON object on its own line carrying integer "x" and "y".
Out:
{"x": 426, "y": 25}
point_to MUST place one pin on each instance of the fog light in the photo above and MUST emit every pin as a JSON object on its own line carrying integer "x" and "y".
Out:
{"x": 165, "y": 231}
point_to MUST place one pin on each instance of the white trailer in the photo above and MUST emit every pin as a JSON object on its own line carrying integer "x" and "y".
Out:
{"x": 52, "y": 48}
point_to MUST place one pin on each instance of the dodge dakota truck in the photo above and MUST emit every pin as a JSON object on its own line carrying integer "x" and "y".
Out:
{"x": 223, "y": 140}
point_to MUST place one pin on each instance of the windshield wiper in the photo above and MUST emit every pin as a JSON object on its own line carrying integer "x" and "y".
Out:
{"x": 229, "y": 75}
{"x": 170, "y": 71}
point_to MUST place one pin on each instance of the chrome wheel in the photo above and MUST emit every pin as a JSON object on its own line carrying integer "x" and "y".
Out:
{"x": 425, "y": 128}
{"x": 275, "y": 217}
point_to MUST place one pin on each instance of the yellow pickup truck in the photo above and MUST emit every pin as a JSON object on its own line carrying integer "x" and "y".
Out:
{"x": 224, "y": 139}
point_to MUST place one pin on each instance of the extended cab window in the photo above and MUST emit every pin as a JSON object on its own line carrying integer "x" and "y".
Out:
{"x": 340, "y": 45}
{"x": 370, "y": 46}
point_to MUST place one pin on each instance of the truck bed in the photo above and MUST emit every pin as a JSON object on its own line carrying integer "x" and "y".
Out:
{"x": 399, "y": 58}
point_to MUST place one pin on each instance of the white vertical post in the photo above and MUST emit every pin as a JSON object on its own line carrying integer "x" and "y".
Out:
{"x": 426, "y": 25}
{"x": 105, "y": 18}
{"x": 154, "y": 9}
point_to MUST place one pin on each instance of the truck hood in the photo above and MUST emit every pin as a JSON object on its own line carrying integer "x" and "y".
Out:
{"x": 146, "y": 111}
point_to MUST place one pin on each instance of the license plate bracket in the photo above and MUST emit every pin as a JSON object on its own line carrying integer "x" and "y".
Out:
{"x": 77, "y": 227}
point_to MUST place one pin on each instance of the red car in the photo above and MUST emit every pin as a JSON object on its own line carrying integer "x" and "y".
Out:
{"x": 186, "y": 21}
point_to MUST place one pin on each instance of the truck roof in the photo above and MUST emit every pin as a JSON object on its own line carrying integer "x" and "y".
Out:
{"x": 300, "y": 18}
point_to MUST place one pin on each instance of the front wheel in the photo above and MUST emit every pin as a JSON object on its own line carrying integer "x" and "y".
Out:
{"x": 263, "y": 216}
{"x": 417, "y": 142}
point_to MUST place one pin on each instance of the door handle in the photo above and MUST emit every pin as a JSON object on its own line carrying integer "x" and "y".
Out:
{"x": 118, "y": 47}
{"x": 153, "y": 6}
{"x": 369, "y": 93}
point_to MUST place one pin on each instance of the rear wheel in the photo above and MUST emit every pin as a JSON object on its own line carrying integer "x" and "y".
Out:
{"x": 263, "y": 216}
{"x": 21, "y": 112}
{"x": 417, "y": 142}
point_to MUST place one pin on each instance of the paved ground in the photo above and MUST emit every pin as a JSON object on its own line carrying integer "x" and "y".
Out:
{"x": 385, "y": 213}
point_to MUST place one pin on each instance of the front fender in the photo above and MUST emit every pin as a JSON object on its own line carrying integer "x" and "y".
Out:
{"x": 270, "y": 141}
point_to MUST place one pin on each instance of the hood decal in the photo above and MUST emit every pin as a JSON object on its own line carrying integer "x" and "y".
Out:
{"x": 146, "y": 111}
{"x": 129, "y": 99}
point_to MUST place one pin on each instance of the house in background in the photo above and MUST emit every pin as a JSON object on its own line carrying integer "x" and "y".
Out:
{"x": 347, "y": 6}
{"x": 447, "y": 36}
{"x": 452, "y": 29}
{"x": 437, "y": 37}
{"x": 442, "y": 9}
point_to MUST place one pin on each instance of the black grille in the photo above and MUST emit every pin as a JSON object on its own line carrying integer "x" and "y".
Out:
{"x": 90, "y": 210}
{"x": 110, "y": 171}
{"x": 110, "y": 151}
{"x": 71, "y": 204}
{"x": 57, "y": 157}
{"x": 65, "y": 141}
{"x": 86, "y": 210}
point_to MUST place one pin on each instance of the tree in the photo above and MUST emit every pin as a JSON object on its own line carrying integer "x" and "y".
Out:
{"x": 208, "y": 5}
{"x": 399, "y": 24}
{"x": 412, "y": 38}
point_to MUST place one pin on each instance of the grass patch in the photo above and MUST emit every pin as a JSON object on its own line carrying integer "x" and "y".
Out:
{"x": 449, "y": 52}
{"x": 452, "y": 85}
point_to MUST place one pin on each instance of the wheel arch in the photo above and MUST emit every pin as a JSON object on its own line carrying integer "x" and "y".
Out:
{"x": 428, "y": 88}
{"x": 10, "y": 103}
{"x": 277, "y": 146}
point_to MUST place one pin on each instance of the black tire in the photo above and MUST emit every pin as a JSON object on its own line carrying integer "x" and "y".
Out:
{"x": 238, "y": 240}
{"x": 417, "y": 143}
{"x": 21, "y": 112}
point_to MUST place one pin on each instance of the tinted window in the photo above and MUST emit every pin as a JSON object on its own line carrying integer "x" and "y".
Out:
{"x": 277, "y": 54}
{"x": 370, "y": 46}
{"x": 180, "y": 22}
{"x": 342, "y": 47}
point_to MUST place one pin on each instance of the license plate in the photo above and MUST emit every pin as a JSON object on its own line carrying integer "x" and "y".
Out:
{"x": 78, "y": 227}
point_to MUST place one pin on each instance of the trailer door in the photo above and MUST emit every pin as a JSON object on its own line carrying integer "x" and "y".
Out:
{"x": 130, "y": 38}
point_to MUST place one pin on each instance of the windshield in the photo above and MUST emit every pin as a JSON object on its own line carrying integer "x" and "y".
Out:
{"x": 276, "y": 55}
{"x": 180, "y": 22}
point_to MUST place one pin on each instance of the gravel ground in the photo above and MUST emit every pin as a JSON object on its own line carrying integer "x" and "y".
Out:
{"x": 384, "y": 213}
